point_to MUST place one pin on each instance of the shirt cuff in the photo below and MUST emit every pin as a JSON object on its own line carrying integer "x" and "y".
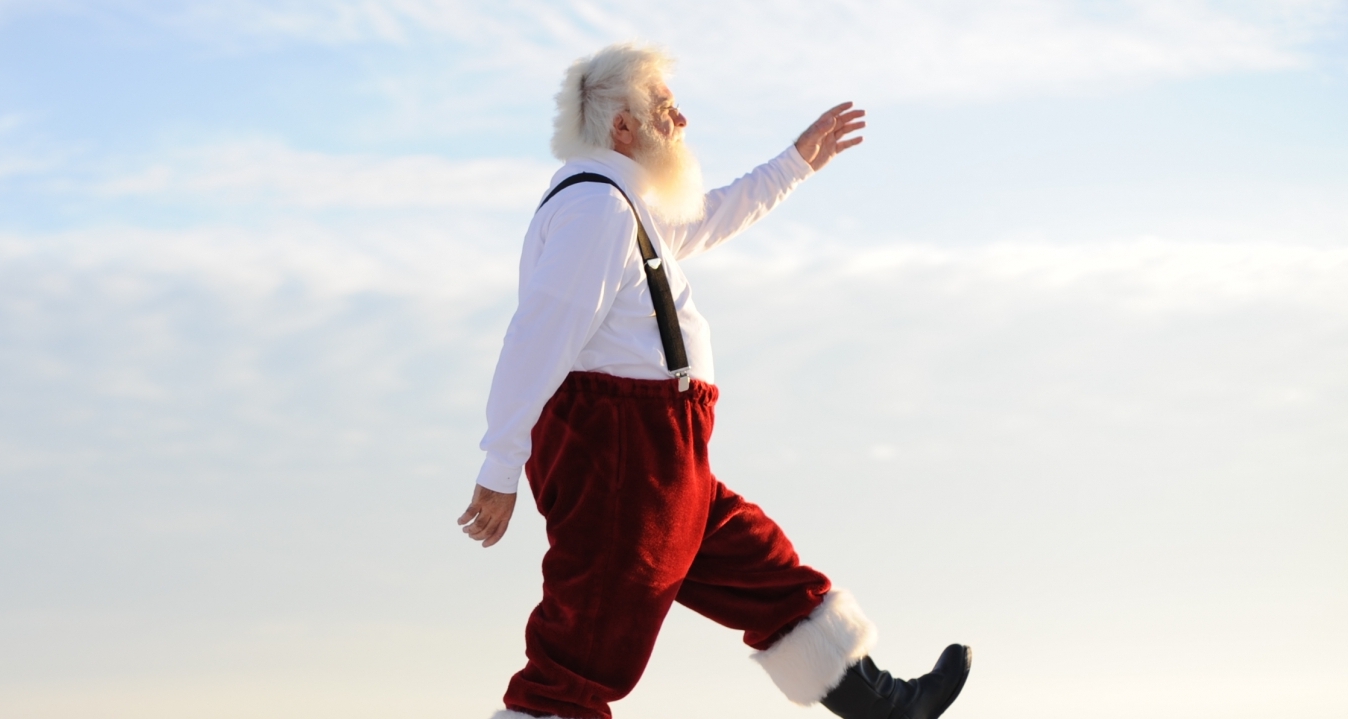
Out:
{"x": 795, "y": 164}
{"x": 498, "y": 476}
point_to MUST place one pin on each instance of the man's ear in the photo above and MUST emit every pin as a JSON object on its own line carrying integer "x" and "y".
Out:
{"x": 624, "y": 132}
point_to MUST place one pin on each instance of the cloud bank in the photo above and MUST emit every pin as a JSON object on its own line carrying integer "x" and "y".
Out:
{"x": 272, "y": 173}
{"x": 923, "y": 50}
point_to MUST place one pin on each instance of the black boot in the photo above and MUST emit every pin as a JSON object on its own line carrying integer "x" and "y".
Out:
{"x": 866, "y": 692}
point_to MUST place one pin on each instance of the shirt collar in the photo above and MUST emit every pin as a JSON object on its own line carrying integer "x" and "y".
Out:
{"x": 614, "y": 165}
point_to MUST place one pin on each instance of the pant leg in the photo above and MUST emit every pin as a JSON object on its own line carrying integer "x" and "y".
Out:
{"x": 747, "y": 575}
{"x": 619, "y": 471}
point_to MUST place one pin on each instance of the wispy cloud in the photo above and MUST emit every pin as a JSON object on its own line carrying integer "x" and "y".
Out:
{"x": 157, "y": 318}
{"x": 10, "y": 121}
{"x": 272, "y": 173}
{"x": 1148, "y": 274}
{"x": 19, "y": 156}
{"x": 464, "y": 265}
{"x": 155, "y": 292}
{"x": 886, "y": 51}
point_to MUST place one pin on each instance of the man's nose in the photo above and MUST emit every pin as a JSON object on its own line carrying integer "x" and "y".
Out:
{"x": 680, "y": 120}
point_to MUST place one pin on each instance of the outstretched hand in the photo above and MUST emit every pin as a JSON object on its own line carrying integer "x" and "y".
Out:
{"x": 827, "y": 137}
{"x": 489, "y": 513}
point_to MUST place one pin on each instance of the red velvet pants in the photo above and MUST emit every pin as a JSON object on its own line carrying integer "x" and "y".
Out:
{"x": 636, "y": 521}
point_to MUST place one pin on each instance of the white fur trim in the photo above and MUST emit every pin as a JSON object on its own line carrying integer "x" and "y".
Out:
{"x": 811, "y": 659}
{"x": 507, "y": 714}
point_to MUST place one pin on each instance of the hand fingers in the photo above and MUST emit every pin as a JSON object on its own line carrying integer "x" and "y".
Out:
{"x": 496, "y": 534}
{"x": 849, "y": 127}
{"x": 829, "y": 119}
{"x": 468, "y": 514}
{"x": 849, "y": 143}
{"x": 486, "y": 530}
{"x": 481, "y": 528}
{"x": 840, "y": 124}
{"x": 836, "y": 109}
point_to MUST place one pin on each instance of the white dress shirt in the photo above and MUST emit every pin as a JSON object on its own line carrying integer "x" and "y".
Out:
{"x": 584, "y": 304}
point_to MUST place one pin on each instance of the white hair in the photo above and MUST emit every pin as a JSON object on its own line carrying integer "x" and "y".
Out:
{"x": 597, "y": 88}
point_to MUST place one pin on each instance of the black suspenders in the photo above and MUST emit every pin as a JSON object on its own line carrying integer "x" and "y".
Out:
{"x": 666, "y": 317}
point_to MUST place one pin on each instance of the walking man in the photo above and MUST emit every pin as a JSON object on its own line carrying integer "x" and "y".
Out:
{"x": 603, "y": 396}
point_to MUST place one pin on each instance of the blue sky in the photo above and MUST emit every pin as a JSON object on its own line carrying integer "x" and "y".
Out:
{"x": 1070, "y": 387}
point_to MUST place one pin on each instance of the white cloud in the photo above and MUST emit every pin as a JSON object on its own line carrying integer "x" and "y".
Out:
{"x": 1150, "y": 275}
{"x": 9, "y": 122}
{"x": 439, "y": 262}
{"x": 263, "y": 288}
{"x": 272, "y": 173}
{"x": 878, "y": 50}
{"x": 19, "y": 165}
{"x": 18, "y": 156}
{"x": 980, "y": 50}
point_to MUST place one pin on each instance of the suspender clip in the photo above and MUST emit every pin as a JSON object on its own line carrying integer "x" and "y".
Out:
{"x": 684, "y": 379}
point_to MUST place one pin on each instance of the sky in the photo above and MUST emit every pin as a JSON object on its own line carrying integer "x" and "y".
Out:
{"x": 1054, "y": 364}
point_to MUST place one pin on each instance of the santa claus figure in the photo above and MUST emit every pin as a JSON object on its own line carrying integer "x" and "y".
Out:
{"x": 604, "y": 397}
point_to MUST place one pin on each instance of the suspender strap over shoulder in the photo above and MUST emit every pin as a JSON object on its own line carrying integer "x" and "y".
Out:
{"x": 666, "y": 316}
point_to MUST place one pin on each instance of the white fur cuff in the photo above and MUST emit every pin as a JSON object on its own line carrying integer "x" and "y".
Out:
{"x": 811, "y": 659}
{"x": 507, "y": 714}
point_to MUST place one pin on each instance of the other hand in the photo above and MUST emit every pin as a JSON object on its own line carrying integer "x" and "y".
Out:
{"x": 827, "y": 137}
{"x": 489, "y": 513}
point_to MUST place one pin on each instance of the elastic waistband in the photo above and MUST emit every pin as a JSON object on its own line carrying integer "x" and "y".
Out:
{"x": 607, "y": 384}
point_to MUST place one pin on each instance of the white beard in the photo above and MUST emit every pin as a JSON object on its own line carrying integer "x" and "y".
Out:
{"x": 673, "y": 190}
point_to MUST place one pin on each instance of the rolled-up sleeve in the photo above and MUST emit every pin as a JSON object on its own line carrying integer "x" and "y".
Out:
{"x": 588, "y": 241}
